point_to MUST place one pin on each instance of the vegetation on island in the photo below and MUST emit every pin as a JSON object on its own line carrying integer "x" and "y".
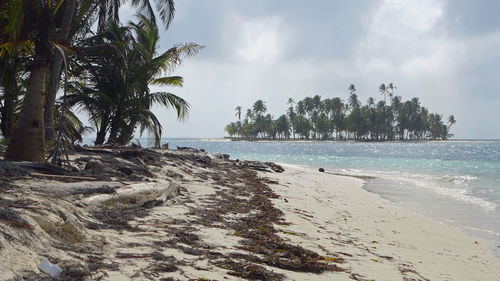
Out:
{"x": 335, "y": 119}
{"x": 79, "y": 51}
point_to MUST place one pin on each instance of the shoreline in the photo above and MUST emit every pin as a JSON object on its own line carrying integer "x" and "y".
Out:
{"x": 190, "y": 215}
{"x": 473, "y": 231}
{"x": 333, "y": 140}
{"x": 436, "y": 250}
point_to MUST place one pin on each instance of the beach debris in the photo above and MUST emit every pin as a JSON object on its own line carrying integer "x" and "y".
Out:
{"x": 322, "y": 170}
{"x": 15, "y": 170}
{"x": 74, "y": 167}
{"x": 63, "y": 177}
{"x": 94, "y": 165}
{"x": 217, "y": 155}
{"x": 190, "y": 149}
{"x": 164, "y": 146}
{"x": 126, "y": 170}
{"x": 51, "y": 269}
{"x": 12, "y": 218}
{"x": 258, "y": 232}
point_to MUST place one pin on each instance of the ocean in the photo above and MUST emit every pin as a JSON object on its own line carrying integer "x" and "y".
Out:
{"x": 453, "y": 182}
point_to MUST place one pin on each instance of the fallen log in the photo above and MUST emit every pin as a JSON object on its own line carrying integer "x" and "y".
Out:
{"x": 44, "y": 167}
{"x": 134, "y": 195}
{"x": 93, "y": 150}
{"x": 50, "y": 176}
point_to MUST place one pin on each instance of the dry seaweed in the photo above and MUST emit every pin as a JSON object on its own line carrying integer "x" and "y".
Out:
{"x": 258, "y": 229}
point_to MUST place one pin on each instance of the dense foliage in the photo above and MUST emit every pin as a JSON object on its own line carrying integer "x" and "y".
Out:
{"x": 335, "y": 119}
{"x": 79, "y": 49}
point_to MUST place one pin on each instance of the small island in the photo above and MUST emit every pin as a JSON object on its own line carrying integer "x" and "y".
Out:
{"x": 314, "y": 118}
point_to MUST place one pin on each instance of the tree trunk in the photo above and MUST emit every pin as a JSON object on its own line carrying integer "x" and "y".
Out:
{"x": 113, "y": 132}
{"x": 101, "y": 137}
{"x": 126, "y": 133}
{"x": 28, "y": 141}
{"x": 10, "y": 94}
{"x": 56, "y": 69}
{"x": 101, "y": 133}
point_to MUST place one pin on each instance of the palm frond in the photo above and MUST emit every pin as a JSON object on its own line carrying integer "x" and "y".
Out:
{"x": 169, "y": 81}
{"x": 14, "y": 12}
{"x": 168, "y": 99}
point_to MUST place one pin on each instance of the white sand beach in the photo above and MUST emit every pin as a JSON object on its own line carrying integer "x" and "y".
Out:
{"x": 182, "y": 237}
{"x": 333, "y": 213}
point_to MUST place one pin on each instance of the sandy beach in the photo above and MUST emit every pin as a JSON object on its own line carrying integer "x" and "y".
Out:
{"x": 194, "y": 216}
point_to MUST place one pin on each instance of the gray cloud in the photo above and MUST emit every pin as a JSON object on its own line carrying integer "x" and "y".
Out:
{"x": 440, "y": 51}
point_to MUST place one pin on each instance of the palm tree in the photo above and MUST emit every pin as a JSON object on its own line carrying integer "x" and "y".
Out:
{"x": 30, "y": 23}
{"x": 451, "y": 121}
{"x": 10, "y": 69}
{"x": 109, "y": 11}
{"x": 383, "y": 91}
{"x": 121, "y": 64}
{"x": 63, "y": 33}
{"x": 390, "y": 89}
{"x": 249, "y": 115}
{"x": 84, "y": 11}
{"x": 370, "y": 102}
{"x": 259, "y": 107}
{"x": 351, "y": 89}
{"x": 238, "y": 112}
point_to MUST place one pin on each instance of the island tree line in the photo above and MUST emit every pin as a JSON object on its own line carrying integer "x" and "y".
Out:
{"x": 335, "y": 119}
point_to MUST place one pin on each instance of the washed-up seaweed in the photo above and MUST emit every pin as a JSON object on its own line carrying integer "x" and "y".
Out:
{"x": 260, "y": 235}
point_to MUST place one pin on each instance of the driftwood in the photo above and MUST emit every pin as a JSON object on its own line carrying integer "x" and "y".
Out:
{"x": 63, "y": 177}
{"x": 134, "y": 195}
{"x": 93, "y": 150}
{"x": 44, "y": 167}
{"x": 72, "y": 188}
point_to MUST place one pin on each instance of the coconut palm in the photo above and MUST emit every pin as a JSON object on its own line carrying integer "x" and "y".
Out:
{"x": 30, "y": 24}
{"x": 10, "y": 73}
{"x": 351, "y": 89}
{"x": 390, "y": 89}
{"x": 249, "y": 115}
{"x": 120, "y": 65}
{"x": 259, "y": 107}
{"x": 238, "y": 112}
{"x": 109, "y": 11}
{"x": 451, "y": 121}
{"x": 78, "y": 18}
{"x": 382, "y": 89}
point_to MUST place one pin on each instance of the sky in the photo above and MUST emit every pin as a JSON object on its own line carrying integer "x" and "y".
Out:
{"x": 447, "y": 53}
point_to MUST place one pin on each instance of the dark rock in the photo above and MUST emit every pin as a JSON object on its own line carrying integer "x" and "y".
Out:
{"x": 322, "y": 170}
{"x": 217, "y": 155}
{"x": 94, "y": 164}
{"x": 190, "y": 149}
{"x": 275, "y": 167}
{"x": 126, "y": 170}
{"x": 204, "y": 159}
{"x": 225, "y": 156}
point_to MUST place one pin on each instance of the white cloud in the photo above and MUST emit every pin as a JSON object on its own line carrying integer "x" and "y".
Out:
{"x": 405, "y": 42}
{"x": 263, "y": 39}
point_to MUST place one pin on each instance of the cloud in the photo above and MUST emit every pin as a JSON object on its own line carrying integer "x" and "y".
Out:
{"x": 257, "y": 40}
{"x": 273, "y": 50}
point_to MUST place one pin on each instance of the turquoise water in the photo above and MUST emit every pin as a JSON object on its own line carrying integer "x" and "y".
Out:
{"x": 454, "y": 182}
